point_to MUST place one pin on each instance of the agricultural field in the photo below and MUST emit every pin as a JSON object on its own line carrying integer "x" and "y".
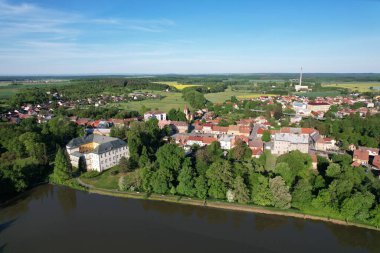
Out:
{"x": 7, "y": 90}
{"x": 170, "y": 100}
{"x": 361, "y": 87}
{"x": 177, "y": 85}
{"x": 221, "y": 97}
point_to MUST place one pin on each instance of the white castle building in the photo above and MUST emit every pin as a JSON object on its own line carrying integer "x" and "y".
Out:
{"x": 98, "y": 152}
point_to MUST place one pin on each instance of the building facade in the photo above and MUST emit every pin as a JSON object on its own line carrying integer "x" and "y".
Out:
{"x": 155, "y": 114}
{"x": 97, "y": 152}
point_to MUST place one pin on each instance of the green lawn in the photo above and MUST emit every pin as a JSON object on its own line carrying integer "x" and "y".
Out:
{"x": 105, "y": 180}
{"x": 170, "y": 100}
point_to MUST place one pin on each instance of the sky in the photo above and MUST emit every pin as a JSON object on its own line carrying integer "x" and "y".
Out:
{"x": 188, "y": 37}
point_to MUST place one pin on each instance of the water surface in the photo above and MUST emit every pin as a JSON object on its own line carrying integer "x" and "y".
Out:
{"x": 60, "y": 219}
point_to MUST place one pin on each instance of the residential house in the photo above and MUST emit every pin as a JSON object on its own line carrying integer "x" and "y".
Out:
{"x": 361, "y": 156}
{"x": 155, "y": 114}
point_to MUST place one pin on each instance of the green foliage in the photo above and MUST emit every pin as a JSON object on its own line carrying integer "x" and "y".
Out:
{"x": 160, "y": 181}
{"x": 261, "y": 194}
{"x": 280, "y": 192}
{"x": 186, "y": 180}
{"x": 240, "y": 190}
{"x": 266, "y": 136}
{"x": 201, "y": 187}
{"x": 240, "y": 152}
{"x": 176, "y": 115}
{"x": 170, "y": 158}
{"x": 357, "y": 206}
{"x": 219, "y": 179}
{"x": 302, "y": 194}
{"x": 62, "y": 168}
{"x": 194, "y": 98}
{"x": 334, "y": 170}
{"x": 287, "y": 173}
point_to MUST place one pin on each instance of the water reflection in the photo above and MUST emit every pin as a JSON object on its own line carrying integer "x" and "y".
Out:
{"x": 357, "y": 238}
{"x": 67, "y": 198}
{"x": 112, "y": 224}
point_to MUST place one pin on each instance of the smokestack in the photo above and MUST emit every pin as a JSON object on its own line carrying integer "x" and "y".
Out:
{"x": 301, "y": 77}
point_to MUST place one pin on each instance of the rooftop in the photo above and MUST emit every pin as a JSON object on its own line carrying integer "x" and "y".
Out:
{"x": 105, "y": 143}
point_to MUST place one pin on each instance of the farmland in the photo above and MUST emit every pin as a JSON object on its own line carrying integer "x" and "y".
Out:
{"x": 356, "y": 86}
{"x": 177, "y": 85}
{"x": 220, "y": 97}
{"x": 7, "y": 90}
{"x": 170, "y": 100}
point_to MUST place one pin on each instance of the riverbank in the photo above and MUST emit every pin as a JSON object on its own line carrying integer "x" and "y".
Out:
{"x": 218, "y": 205}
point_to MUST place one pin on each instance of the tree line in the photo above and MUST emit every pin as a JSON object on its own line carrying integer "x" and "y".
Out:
{"x": 337, "y": 190}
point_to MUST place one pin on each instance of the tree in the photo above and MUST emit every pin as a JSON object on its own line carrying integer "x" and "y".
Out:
{"x": 186, "y": 179}
{"x": 240, "y": 190}
{"x": 194, "y": 98}
{"x": 375, "y": 216}
{"x": 127, "y": 164}
{"x": 261, "y": 194}
{"x": 300, "y": 163}
{"x": 170, "y": 157}
{"x": 160, "y": 181}
{"x": 201, "y": 187}
{"x": 357, "y": 206}
{"x": 286, "y": 173}
{"x": 240, "y": 152}
{"x": 280, "y": 192}
{"x": 62, "y": 168}
{"x": 176, "y": 115}
{"x": 214, "y": 151}
{"x": 266, "y": 136}
{"x": 219, "y": 179}
{"x": 302, "y": 194}
{"x": 333, "y": 170}
{"x": 324, "y": 202}
{"x": 144, "y": 158}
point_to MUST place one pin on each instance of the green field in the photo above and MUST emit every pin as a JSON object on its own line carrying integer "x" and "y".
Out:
{"x": 361, "y": 87}
{"x": 221, "y": 97}
{"x": 171, "y": 100}
{"x": 7, "y": 90}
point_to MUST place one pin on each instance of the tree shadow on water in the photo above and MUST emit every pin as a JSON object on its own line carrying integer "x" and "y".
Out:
{"x": 2, "y": 248}
{"x": 6, "y": 225}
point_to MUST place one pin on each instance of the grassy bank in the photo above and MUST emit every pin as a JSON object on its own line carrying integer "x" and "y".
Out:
{"x": 219, "y": 205}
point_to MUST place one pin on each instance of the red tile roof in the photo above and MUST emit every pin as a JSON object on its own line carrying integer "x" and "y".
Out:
{"x": 307, "y": 130}
{"x": 361, "y": 155}
{"x": 376, "y": 161}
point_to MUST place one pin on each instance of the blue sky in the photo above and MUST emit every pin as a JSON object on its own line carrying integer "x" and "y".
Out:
{"x": 194, "y": 36}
